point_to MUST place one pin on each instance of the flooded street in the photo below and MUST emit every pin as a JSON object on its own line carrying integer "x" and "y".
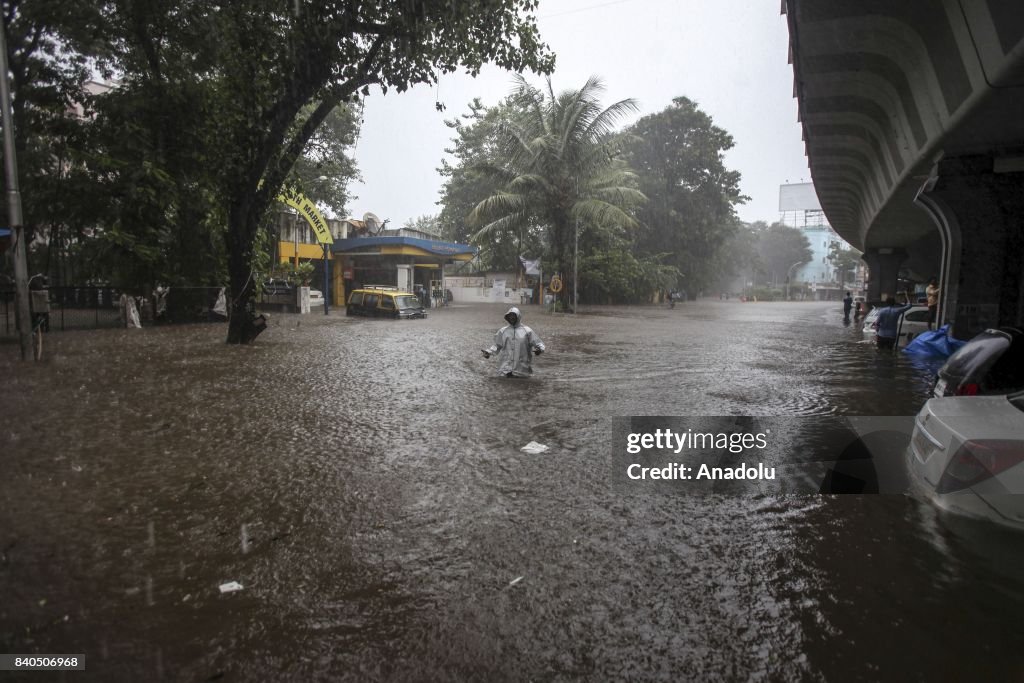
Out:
{"x": 363, "y": 480}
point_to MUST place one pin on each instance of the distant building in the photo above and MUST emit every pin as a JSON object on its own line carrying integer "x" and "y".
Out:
{"x": 799, "y": 208}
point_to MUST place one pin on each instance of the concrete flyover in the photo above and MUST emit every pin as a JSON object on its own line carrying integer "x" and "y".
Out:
{"x": 913, "y": 122}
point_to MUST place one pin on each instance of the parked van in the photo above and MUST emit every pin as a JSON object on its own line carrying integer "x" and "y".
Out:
{"x": 379, "y": 301}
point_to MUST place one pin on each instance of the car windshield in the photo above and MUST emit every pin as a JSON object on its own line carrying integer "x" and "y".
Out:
{"x": 407, "y": 301}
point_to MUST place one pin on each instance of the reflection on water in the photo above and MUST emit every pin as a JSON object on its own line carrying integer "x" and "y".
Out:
{"x": 362, "y": 480}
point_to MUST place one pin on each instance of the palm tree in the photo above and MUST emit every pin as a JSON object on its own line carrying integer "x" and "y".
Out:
{"x": 562, "y": 165}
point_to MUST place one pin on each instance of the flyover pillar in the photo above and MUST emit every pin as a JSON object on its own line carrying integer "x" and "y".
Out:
{"x": 883, "y": 271}
{"x": 978, "y": 204}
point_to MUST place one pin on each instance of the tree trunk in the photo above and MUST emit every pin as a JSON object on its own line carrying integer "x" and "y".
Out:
{"x": 243, "y": 323}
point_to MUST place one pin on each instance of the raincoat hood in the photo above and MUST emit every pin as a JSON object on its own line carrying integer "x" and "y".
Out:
{"x": 513, "y": 312}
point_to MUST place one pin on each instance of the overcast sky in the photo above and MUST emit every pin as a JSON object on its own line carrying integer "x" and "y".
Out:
{"x": 729, "y": 56}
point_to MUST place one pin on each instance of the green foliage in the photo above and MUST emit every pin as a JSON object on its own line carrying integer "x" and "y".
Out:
{"x": 470, "y": 180}
{"x": 559, "y": 170}
{"x": 541, "y": 161}
{"x": 300, "y": 275}
{"x": 678, "y": 157}
{"x": 325, "y": 169}
{"x": 739, "y": 256}
{"x": 618, "y": 277}
{"x": 844, "y": 259}
{"x": 48, "y": 46}
{"x": 780, "y": 248}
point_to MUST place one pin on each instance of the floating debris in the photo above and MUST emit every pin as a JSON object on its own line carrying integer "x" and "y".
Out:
{"x": 230, "y": 587}
{"x": 533, "y": 448}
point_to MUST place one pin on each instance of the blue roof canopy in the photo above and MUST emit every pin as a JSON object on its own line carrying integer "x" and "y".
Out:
{"x": 433, "y": 246}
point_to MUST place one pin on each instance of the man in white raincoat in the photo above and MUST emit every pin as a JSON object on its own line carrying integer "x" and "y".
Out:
{"x": 515, "y": 341}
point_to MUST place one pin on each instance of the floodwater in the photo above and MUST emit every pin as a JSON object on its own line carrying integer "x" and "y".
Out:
{"x": 362, "y": 480}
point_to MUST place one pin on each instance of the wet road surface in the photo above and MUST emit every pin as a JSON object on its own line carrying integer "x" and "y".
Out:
{"x": 362, "y": 479}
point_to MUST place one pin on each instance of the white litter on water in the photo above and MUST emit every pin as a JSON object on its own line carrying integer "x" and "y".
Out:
{"x": 533, "y": 448}
{"x": 515, "y": 580}
{"x": 230, "y": 587}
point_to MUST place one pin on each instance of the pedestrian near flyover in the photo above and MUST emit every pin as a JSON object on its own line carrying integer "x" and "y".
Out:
{"x": 39, "y": 301}
{"x": 932, "y": 292}
{"x": 847, "y": 307}
{"x": 515, "y": 342}
{"x": 887, "y": 325}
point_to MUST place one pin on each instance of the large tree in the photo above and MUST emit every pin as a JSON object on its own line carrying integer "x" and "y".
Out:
{"x": 738, "y": 256}
{"x": 268, "y": 74}
{"x": 678, "y": 156}
{"x": 563, "y": 169}
{"x": 49, "y": 44}
{"x": 845, "y": 260}
{"x": 780, "y": 248}
{"x": 475, "y": 151}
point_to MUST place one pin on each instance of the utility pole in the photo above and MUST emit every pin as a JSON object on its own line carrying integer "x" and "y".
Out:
{"x": 576, "y": 270}
{"x": 14, "y": 205}
{"x": 576, "y": 258}
{"x": 327, "y": 281}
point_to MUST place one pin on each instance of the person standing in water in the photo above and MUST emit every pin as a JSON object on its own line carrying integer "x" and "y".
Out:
{"x": 515, "y": 342}
{"x": 887, "y": 325}
{"x": 932, "y": 292}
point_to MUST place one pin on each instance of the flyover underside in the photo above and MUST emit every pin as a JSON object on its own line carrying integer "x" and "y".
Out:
{"x": 913, "y": 117}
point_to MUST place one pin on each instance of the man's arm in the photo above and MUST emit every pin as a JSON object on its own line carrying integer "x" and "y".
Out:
{"x": 536, "y": 343}
{"x": 499, "y": 342}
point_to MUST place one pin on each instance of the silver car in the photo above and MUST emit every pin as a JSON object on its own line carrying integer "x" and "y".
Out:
{"x": 967, "y": 455}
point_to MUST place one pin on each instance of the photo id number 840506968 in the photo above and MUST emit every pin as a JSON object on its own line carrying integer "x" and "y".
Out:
{"x": 36, "y": 662}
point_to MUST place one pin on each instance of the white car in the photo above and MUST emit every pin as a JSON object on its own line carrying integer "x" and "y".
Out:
{"x": 913, "y": 323}
{"x": 967, "y": 455}
{"x": 316, "y": 298}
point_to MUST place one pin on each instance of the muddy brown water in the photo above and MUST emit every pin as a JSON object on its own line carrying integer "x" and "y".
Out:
{"x": 362, "y": 480}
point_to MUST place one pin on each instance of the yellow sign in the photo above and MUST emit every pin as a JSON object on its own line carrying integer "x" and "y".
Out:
{"x": 307, "y": 209}
{"x": 555, "y": 285}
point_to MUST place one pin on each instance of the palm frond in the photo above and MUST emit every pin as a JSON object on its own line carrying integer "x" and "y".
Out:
{"x": 508, "y": 222}
{"x": 499, "y": 204}
{"x": 598, "y": 212}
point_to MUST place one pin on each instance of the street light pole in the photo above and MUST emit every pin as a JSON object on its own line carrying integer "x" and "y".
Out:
{"x": 18, "y": 246}
{"x": 576, "y": 270}
{"x": 327, "y": 291}
{"x": 327, "y": 267}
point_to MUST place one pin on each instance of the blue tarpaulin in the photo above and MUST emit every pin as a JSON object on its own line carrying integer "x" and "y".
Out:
{"x": 934, "y": 343}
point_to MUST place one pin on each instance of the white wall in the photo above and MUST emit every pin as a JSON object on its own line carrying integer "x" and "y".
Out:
{"x": 479, "y": 289}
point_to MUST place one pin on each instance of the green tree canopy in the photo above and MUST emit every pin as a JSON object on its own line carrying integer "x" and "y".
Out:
{"x": 476, "y": 150}
{"x": 49, "y": 45}
{"x": 326, "y": 168}
{"x": 678, "y": 156}
{"x": 780, "y": 247}
{"x": 845, "y": 260}
{"x": 562, "y": 168}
